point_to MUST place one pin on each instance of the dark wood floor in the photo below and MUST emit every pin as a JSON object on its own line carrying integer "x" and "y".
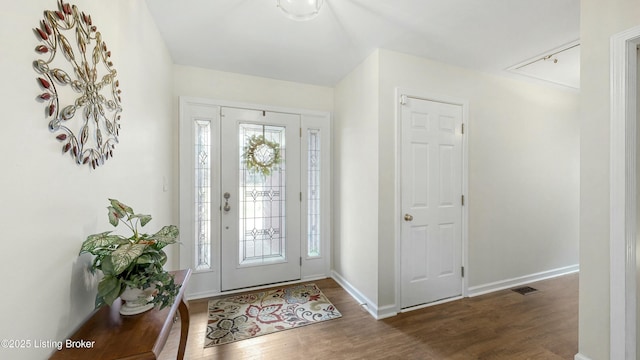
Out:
{"x": 500, "y": 325}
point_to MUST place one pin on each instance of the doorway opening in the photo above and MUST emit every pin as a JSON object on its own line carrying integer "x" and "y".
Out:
{"x": 255, "y": 191}
{"x": 432, "y": 184}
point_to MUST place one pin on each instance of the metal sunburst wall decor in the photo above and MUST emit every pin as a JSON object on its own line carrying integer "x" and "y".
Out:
{"x": 79, "y": 82}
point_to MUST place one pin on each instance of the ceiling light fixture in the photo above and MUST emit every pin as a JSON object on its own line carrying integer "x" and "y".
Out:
{"x": 300, "y": 10}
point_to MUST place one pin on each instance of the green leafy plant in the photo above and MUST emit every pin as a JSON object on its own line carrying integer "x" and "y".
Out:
{"x": 136, "y": 261}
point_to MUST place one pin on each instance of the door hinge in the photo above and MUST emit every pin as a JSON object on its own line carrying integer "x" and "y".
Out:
{"x": 462, "y": 129}
{"x": 300, "y": 196}
{"x": 300, "y": 132}
{"x": 462, "y": 200}
{"x": 403, "y": 99}
{"x": 300, "y": 260}
{"x": 462, "y": 271}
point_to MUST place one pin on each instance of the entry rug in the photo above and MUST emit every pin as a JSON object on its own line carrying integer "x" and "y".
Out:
{"x": 245, "y": 316}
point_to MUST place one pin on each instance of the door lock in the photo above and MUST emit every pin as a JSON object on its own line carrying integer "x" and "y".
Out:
{"x": 408, "y": 217}
{"x": 226, "y": 202}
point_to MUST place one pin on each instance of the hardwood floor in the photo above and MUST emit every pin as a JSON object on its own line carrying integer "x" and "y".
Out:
{"x": 500, "y": 325}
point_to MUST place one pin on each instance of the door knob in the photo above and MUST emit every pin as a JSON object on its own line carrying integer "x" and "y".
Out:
{"x": 408, "y": 217}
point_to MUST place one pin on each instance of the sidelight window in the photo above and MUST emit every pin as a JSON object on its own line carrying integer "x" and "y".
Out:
{"x": 202, "y": 206}
{"x": 313, "y": 192}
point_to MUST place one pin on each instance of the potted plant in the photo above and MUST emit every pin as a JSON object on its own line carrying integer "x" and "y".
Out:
{"x": 134, "y": 262}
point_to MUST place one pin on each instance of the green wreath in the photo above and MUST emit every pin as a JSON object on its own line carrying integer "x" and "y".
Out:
{"x": 261, "y": 155}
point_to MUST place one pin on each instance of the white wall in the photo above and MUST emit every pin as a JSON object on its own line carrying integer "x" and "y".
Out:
{"x": 523, "y": 167}
{"x": 50, "y": 205}
{"x": 523, "y": 171}
{"x": 356, "y": 183}
{"x": 598, "y": 23}
{"x": 219, "y": 85}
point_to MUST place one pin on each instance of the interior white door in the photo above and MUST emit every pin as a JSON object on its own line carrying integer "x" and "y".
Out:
{"x": 431, "y": 241}
{"x": 260, "y": 204}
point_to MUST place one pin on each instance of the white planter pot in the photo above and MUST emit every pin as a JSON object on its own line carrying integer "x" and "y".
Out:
{"x": 136, "y": 301}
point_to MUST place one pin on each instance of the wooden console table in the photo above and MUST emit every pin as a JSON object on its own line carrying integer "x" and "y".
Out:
{"x": 109, "y": 335}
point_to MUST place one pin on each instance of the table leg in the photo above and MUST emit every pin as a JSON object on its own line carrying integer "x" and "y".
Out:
{"x": 184, "y": 328}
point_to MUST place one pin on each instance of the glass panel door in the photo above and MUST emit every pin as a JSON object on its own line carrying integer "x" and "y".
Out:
{"x": 262, "y": 191}
{"x": 261, "y": 197}
{"x": 274, "y": 221}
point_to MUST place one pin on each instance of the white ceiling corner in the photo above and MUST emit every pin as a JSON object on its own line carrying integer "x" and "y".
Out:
{"x": 253, "y": 36}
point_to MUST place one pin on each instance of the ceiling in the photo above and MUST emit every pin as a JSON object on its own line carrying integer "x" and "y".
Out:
{"x": 254, "y": 37}
{"x": 560, "y": 66}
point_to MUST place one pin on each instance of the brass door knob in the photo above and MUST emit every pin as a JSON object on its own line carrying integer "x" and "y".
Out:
{"x": 408, "y": 217}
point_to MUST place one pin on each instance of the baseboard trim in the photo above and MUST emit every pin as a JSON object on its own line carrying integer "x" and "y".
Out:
{"x": 386, "y": 311}
{"x": 366, "y": 304}
{"x": 391, "y": 310}
{"x": 522, "y": 280}
{"x": 581, "y": 357}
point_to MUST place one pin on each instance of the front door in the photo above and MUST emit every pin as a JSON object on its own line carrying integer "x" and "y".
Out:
{"x": 260, "y": 185}
{"x": 431, "y": 241}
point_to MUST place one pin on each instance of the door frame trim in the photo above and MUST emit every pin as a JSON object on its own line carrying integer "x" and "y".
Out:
{"x": 623, "y": 194}
{"x": 415, "y": 94}
{"x": 313, "y": 268}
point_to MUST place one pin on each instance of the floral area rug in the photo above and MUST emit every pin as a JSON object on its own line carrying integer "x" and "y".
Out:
{"x": 244, "y": 316}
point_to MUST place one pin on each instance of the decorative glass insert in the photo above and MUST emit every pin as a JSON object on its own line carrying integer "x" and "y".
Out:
{"x": 313, "y": 191}
{"x": 262, "y": 236}
{"x": 202, "y": 184}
